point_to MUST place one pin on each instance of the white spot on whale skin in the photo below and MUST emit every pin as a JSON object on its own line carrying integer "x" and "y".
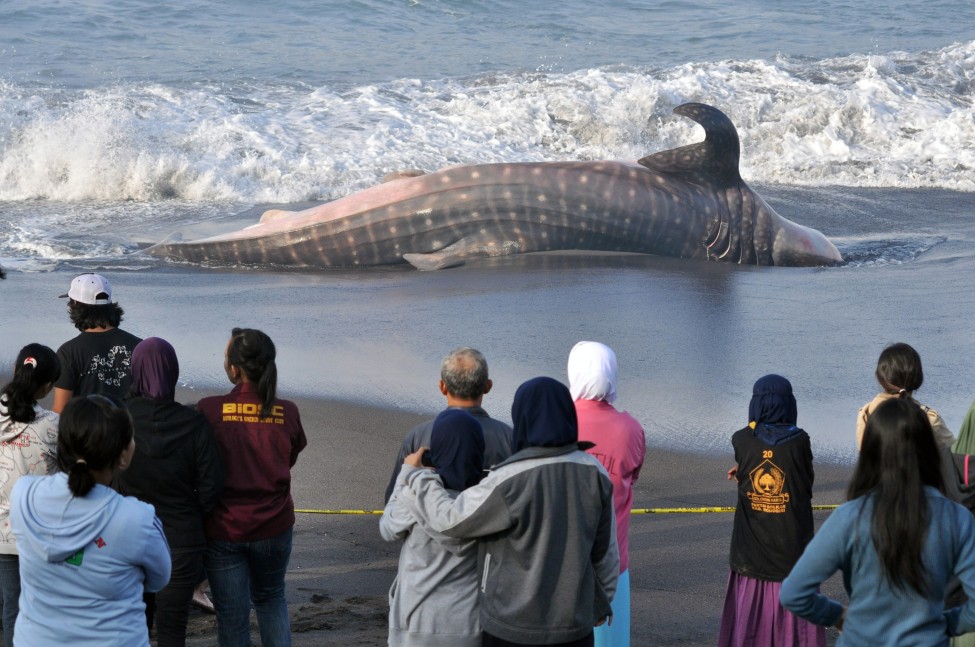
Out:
{"x": 475, "y": 175}
{"x": 445, "y": 179}
{"x": 542, "y": 198}
{"x": 392, "y": 229}
{"x": 429, "y": 222}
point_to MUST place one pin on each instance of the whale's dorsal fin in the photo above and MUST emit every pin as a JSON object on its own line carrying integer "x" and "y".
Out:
{"x": 711, "y": 163}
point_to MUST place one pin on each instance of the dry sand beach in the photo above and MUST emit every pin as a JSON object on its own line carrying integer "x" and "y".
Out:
{"x": 341, "y": 569}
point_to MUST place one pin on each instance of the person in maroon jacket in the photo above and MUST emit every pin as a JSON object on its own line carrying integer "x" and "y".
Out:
{"x": 249, "y": 531}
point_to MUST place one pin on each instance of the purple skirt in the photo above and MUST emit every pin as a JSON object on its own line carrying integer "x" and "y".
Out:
{"x": 753, "y": 617}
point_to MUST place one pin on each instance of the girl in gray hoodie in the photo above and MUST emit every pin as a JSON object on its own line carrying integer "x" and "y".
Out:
{"x": 433, "y": 600}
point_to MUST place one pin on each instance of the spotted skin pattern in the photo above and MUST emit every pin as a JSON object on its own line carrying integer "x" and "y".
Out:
{"x": 688, "y": 202}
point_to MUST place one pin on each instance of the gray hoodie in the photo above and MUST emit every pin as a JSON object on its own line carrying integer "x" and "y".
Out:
{"x": 436, "y": 574}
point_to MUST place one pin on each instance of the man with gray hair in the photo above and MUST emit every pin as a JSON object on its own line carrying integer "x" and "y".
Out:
{"x": 464, "y": 382}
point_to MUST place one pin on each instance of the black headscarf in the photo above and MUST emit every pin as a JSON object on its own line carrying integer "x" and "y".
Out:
{"x": 457, "y": 449}
{"x": 772, "y": 412}
{"x": 543, "y": 415}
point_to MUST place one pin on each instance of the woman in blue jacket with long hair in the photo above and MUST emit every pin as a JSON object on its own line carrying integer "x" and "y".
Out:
{"x": 898, "y": 541}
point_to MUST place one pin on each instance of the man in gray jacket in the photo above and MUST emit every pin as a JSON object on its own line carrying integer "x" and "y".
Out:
{"x": 547, "y": 556}
{"x": 464, "y": 382}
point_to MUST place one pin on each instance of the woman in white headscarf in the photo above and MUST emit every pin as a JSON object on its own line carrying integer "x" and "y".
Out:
{"x": 620, "y": 445}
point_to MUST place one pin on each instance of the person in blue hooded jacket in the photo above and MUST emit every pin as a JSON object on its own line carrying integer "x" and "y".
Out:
{"x": 87, "y": 553}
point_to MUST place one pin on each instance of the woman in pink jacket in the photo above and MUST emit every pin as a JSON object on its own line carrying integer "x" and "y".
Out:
{"x": 620, "y": 445}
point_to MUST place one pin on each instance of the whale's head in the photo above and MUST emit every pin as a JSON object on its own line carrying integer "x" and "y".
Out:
{"x": 799, "y": 246}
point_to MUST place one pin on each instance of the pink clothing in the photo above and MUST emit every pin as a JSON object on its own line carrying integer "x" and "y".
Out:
{"x": 753, "y": 616}
{"x": 620, "y": 446}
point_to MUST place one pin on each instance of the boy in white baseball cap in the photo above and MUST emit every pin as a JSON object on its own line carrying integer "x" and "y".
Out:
{"x": 99, "y": 359}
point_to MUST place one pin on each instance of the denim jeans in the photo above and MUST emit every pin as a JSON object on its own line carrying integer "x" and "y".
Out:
{"x": 246, "y": 572}
{"x": 10, "y": 588}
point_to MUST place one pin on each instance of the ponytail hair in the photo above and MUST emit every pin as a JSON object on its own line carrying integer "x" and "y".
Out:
{"x": 92, "y": 434}
{"x": 253, "y": 352}
{"x": 899, "y": 369}
{"x": 37, "y": 366}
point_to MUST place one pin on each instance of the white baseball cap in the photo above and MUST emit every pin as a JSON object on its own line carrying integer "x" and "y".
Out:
{"x": 91, "y": 289}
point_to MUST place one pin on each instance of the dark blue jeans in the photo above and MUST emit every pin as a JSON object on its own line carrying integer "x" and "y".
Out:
{"x": 10, "y": 589}
{"x": 245, "y": 573}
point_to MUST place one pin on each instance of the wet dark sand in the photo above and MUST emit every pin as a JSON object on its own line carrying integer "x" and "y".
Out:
{"x": 341, "y": 569}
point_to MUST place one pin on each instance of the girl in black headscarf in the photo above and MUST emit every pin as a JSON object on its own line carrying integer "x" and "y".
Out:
{"x": 773, "y": 522}
{"x": 437, "y": 572}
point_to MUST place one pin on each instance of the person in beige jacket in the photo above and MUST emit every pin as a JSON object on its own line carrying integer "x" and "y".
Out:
{"x": 900, "y": 375}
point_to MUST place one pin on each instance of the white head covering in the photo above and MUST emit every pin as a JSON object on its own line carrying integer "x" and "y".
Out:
{"x": 592, "y": 372}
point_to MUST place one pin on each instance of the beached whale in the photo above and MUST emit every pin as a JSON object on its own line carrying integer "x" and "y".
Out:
{"x": 688, "y": 202}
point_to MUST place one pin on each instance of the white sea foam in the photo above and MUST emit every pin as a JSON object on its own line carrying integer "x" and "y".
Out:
{"x": 895, "y": 120}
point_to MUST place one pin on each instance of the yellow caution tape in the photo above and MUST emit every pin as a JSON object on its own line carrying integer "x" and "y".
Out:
{"x": 633, "y": 511}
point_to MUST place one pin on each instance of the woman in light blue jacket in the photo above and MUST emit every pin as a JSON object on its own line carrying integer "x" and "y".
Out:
{"x": 86, "y": 552}
{"x": 898, "y": 541}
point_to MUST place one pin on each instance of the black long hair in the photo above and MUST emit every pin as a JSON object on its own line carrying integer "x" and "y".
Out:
{"x": 253, "y": 352}
{"x": 898, "y": 458}
{"x": 37, "y": 365}
{"x": 92, "y": 434}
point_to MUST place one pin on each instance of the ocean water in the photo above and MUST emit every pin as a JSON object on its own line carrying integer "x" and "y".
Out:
{"x": 125, "y": 122}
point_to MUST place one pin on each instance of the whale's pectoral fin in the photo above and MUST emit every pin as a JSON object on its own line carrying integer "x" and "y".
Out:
{"x": 473, "y": 246}
{"x": 435, "y": 261}
{"x": 712, "y": 163}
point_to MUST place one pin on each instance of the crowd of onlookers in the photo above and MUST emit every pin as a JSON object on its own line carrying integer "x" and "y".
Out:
{"x": 120, "y": 506}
